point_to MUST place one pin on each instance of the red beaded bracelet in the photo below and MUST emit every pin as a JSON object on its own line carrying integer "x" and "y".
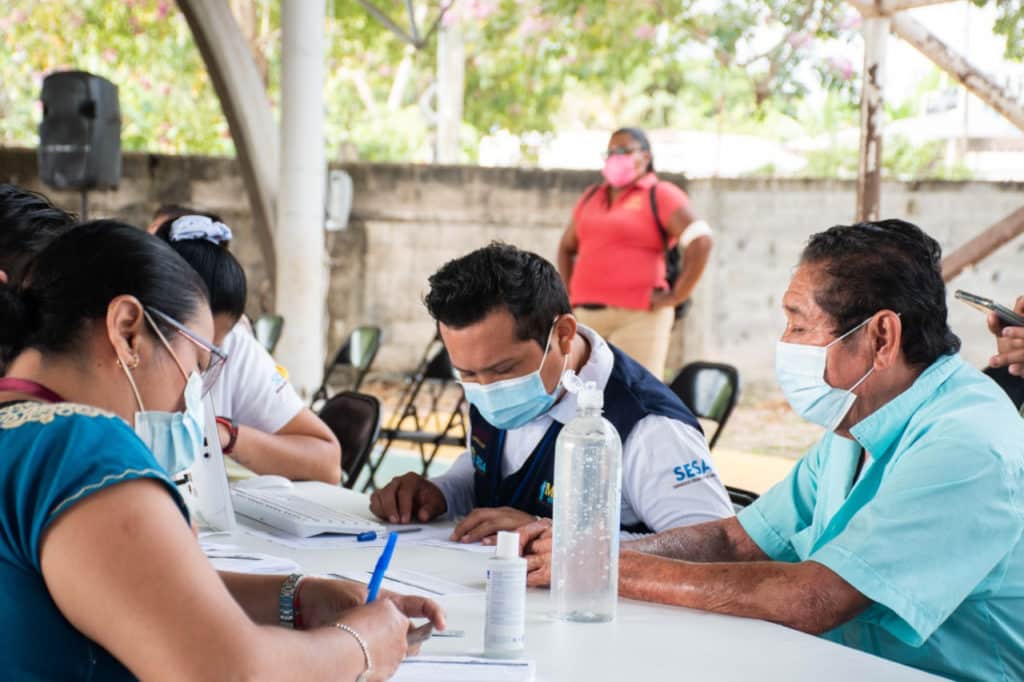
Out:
{"x": 232, "y": 428}
{"x": 299, "y": 625}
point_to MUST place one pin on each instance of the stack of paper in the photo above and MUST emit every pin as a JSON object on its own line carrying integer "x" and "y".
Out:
{"x": 411, "y": 535}
{"x": 411, "y": 583}
{"x": 227, "y": 559}
{"x": 459, "y": 546}
{"x": 464, "y": 669}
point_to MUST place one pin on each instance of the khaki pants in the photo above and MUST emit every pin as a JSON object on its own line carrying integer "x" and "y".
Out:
{"x": 641, "y": 334}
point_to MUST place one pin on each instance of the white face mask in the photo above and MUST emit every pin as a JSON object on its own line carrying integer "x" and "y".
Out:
{"x": 800, "y": 371}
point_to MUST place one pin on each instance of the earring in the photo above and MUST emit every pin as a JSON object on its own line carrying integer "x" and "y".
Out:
{"x": 131, "y": 364}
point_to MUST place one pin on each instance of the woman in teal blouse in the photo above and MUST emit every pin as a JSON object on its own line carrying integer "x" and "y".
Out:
{"x": 100, "y": 575}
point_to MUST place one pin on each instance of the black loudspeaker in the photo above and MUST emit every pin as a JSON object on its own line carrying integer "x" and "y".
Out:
{"x": 80, "y": 135}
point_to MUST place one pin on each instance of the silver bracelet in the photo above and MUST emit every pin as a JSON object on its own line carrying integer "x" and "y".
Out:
{"x": 286, "y": 600}
{"x": 362, "y": 645}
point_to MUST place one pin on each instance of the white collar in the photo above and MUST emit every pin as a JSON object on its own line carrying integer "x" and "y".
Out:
{"x": 597, "y": 369}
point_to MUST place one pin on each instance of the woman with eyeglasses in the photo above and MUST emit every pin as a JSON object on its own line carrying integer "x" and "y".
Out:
{"x": 108, "y": 351}
{"x": 613, "y": 255}
{"x": 265, "y": 427}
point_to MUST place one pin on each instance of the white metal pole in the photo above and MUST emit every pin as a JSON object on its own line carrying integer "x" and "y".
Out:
{"x": 299, "y": 236}
{"x": 872, "y": 111}
{"x": 451, "y": 86}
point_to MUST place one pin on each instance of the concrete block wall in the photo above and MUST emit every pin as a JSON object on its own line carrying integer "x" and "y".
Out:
{"x": 408, "y": 220}
{"x": 761, "y": 226}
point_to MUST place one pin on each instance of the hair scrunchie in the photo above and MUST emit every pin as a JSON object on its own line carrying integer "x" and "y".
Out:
{"x": 189, "y": 227}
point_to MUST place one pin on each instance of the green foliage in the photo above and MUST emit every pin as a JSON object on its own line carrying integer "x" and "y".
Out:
{"x": 1010, "y": 24}
{"x": 528, "y": 62}
{"x": 693, "y": 63}
{"x": 144, "y": 47}
{"x": 533, "y": 66}
{"x": 902, "y": 160}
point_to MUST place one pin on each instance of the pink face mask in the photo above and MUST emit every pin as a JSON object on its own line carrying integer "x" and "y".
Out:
{"x": 619, "y": 170}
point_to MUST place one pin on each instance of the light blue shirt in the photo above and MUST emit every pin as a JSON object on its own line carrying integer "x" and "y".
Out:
{"x": 932, "y": 531}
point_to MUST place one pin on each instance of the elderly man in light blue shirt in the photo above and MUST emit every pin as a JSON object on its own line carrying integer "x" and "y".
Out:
{"x": 900, "y": 532}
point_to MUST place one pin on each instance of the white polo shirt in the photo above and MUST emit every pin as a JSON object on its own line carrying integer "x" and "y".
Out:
{"x": 668, "y": 477}
{"x": 252, "y": 391}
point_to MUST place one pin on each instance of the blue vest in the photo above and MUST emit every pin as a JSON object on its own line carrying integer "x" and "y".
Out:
{"x": 631, "y": 394}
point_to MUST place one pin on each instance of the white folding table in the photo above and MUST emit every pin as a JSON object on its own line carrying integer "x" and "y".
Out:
{"x": 646, "y": 641}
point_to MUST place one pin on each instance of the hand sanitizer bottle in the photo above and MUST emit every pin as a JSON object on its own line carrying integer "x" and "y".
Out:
{"x": 588, "y": 498}
{"x": 505, "y": 623}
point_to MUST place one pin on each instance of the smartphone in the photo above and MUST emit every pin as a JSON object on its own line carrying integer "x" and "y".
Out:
{"x": 419, "y": 635}
{"x": 449, "y": 633}
{"x": 988, "y": 305}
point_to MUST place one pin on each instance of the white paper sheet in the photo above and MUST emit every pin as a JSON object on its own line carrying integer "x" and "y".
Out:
{"x": 412, "y": 535}
{"x": 210, "y": 533}
{"x": 445, "y": 543}
{"x": 315, "y": 542}
{"x": 250, "y": 562}
{"x": 464, "y": 669}
{"x": 209, "y": 547}
{"x": 411, "y": 583}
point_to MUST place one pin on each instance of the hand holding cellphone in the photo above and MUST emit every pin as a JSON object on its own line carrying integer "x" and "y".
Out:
{"x": 419, "y": 635}
{"x": 987, "y": 305}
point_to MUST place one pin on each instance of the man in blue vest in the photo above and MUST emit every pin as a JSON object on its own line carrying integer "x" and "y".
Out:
{"x": 505, "y": 319}
{"x": 901, "y": 532}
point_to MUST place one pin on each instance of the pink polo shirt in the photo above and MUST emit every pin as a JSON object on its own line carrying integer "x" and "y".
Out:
{"x": 621, "y": 256}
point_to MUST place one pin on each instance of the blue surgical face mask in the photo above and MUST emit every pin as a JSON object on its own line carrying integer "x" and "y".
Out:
{"x": 514, "y": 402}
{"x": 175, "y": 438}
{"x": 800, "y": 371}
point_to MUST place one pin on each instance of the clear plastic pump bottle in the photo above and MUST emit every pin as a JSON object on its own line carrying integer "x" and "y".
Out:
{"x": 587, "y": 504}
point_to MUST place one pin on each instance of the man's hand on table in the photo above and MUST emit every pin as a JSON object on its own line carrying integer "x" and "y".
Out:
{"x": 483, "y": 524}
{"x": 535, "y": 540}
{"x": 407, "y": 499}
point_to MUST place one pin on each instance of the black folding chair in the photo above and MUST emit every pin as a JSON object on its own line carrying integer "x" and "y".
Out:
{"x": 355, "y": 355}
{"x": 740, "y": 498}
{"x": 1013, "y": 385}
{"x": 432, "y": 379}
{"x": 268, "y": 330}
{"x": 355, "y": 420}
{"x": 710, "y": 390}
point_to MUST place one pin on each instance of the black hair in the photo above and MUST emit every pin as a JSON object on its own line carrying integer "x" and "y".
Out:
{"x": 74, "y": 279}
{"x": 223, "y": 274}
{"x": 467, "y": 289}
{"x": 28, "y": 223}
{"x": 172, "y": 211}
{"x": 640, "y": 137}
{"x": 885, "y": 265}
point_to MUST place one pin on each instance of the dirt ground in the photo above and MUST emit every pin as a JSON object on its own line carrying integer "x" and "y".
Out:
{"x": 761, "y": 441}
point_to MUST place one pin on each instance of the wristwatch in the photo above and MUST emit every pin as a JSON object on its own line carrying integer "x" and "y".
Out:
{"x": 232, "y": 427}
{"x": 286, "y": 601}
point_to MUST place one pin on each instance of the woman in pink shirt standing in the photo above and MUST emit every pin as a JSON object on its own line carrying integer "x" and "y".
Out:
{"x": 612, "y": 255}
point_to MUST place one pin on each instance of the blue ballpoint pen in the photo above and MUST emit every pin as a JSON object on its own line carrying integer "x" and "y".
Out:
{"x": 371, "y": 535}
{"x": 381, "y": 568}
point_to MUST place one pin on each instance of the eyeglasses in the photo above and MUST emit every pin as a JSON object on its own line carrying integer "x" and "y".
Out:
{"x": 622, "y": 151}
{"x": 217, "y": 356}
